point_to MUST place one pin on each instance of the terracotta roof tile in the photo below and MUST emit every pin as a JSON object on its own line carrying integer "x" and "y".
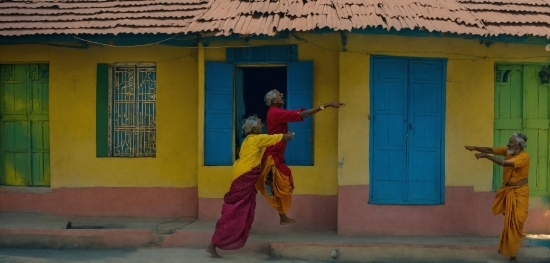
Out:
{"x": 508, "y": 8}
{"x": 189, "y": 14}
{"x": 512, "y": 17}
{"x": 268, "y": 17}
{"x": 29, "y": 17}
{"x": 519, "y": 2}
{"x": 175, "y": 23}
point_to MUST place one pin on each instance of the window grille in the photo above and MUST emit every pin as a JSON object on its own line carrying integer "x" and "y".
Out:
{"x": 132, "y": 110}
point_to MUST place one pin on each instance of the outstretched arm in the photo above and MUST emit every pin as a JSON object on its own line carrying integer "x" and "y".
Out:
{"x": 288, "y": 136}
{"x": 480, "y": 149}
{"x": 264, "y": 140}
{"x": 309, "y": 112}
{"x": 498, "y": 161}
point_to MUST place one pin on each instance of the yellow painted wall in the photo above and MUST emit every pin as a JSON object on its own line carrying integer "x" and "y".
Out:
{"x": 469, "y": 105}
{"x": 73, "y": 110}
{"x": 318, "y": 179}
{"x": 341, "y": 137}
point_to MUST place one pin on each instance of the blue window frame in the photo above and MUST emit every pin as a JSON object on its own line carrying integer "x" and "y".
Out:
{"x": 220, "y": 103}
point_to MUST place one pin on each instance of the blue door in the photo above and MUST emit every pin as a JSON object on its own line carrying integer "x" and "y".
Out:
{"x": 300, "y": 95}
{"x": 407, "y": 124}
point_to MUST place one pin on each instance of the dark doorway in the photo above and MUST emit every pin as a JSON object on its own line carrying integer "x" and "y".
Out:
{"x": 252, "y": 85}
{"x": 256, "y": 83}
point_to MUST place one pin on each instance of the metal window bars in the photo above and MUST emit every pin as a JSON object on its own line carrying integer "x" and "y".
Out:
{"x": 132, "y": 110}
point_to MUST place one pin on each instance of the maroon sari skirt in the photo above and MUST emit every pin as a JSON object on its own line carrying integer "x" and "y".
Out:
{"x": 237, "y": 212}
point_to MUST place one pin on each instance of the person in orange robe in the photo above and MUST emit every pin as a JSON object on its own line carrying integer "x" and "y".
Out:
{"x": 276, "y": 183}
{"x": 512, "y": 199}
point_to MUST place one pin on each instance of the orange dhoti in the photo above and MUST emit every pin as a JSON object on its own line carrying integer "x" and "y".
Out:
{"x": 513, "y": 201}
{"x": 282, "y": 186}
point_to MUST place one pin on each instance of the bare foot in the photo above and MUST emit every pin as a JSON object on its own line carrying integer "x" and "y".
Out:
{"x": 212, "y": 250}
{"x": 285, "y": 220}
{"x": 512, "y": 259}
{"x": 499, "y": 251}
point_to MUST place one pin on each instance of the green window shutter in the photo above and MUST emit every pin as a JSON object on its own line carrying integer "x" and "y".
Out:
{"x": 102, "y": 111}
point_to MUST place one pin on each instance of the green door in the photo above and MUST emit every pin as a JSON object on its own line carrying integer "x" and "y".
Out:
{"x": 24, "y": 129}
{"x": 521, "y": 105}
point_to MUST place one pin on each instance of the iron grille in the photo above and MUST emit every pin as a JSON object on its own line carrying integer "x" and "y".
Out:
{"x": 132, "y": 110}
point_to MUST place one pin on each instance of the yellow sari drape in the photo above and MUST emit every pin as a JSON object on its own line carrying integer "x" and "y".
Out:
{"x": 513, "y": 202}
{"x": 282, "y": 188}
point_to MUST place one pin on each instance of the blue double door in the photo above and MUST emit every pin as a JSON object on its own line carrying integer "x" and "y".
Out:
{"x": 407, "y": 131}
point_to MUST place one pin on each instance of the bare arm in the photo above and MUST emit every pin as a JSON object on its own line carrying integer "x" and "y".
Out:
{"x": 480, "y": 149}
{"x": 501, "y": 162}
{"x": 288, "y": 136}
{"x": 312, "y": 111}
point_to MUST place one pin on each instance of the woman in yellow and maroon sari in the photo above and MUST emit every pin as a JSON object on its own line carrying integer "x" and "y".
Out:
{"x": 240, "y": 202}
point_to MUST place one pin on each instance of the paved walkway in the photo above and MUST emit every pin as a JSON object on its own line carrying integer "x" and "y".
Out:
{"x": 126, "y": 238}
{"x": 140, "y": 255}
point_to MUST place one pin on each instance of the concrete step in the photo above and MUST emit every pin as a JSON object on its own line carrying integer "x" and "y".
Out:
{"x": 540, "y": 240}
{"x": 24, "y": 230}
{"x": 77, "y": 238}
{"x": 421, "y": 253}
{"x": 306, "y": 246}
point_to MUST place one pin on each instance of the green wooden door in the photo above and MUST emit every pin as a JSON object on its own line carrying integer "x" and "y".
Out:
{"x": 521, "y": 105}
{"x": 24, "y": 129}
{"x": 535, "y": 125}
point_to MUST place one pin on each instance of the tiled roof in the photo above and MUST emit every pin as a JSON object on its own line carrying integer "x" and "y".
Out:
{"x": 29, "y": 17}
{"x": 512, "y": 17}
{"x": 268, "y": 17}
{"x": 225, "y": 17}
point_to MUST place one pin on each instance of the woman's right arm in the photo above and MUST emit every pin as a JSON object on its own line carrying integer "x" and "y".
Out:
{"x": 264, "y": 140}
{"x": 288, "y": 136}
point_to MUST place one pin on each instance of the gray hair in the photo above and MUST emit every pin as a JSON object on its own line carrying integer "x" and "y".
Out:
{"x": 521, "y": 139}
{"x": 249, "y": 123}
{"x": 270, "y": 96}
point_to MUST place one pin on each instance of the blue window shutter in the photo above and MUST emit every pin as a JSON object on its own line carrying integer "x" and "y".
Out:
{"x": 300, "y": 93}
{"x": 388, "y": 142}
{"x": 218, "y": 119}
{"x": 102, "y": 111}
{"x": 425, "y": 131}
{"x": 240, "y": 106}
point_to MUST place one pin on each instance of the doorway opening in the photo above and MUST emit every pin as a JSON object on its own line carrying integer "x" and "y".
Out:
{"x": 252, "y": 83}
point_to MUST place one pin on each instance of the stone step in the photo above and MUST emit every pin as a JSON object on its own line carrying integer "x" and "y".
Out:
{"x": 401, "y": 253}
